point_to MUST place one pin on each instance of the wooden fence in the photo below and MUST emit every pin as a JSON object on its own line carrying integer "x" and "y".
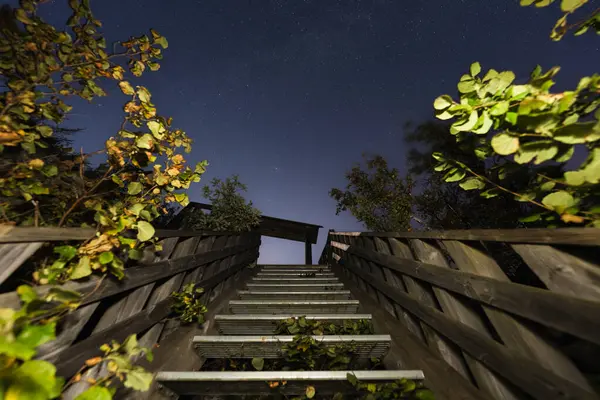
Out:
{"x": 508, "y": 340}
{"x": 139, "y": 303}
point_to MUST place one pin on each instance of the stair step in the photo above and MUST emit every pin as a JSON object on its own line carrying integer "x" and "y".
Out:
{"x": 293, "y": 274}
{"x": 292, "y": 266}
{"x": 366, "y": 346}
{"x": 296, "y": 287}
{"x": 295, "y": 280}
{"x": 264, "y": 324}
{"x": 256, "y": 382}
{"x": 293, "y": 307}
{"x": 316, "y": 295}
{"x": 294, "y": 270}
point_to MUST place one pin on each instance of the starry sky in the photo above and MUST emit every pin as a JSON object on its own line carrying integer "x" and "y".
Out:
{"x": 289, "y": 93}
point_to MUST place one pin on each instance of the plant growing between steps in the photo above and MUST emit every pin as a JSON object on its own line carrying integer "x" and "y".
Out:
{"x": 187, "y": 305}
{"x": 303, "y": 326}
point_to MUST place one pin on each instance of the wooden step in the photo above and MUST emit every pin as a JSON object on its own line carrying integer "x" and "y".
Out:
{"x": 286, "y": 266}
{"x": 293, "y": 307}
{"x": 256, "y": 382}
{"x": 294, "y": 270}
{"x": 295, "y": 280}
{"x": 264, "y": 324}
{"x": 315, "y": 295}
{"x": 281, "y": 275}
{"x": 365, "y": 346}
{"x": 296, "y": 287}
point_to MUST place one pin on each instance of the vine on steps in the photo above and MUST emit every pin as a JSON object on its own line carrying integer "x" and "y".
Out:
{"x": 187, "y": 305}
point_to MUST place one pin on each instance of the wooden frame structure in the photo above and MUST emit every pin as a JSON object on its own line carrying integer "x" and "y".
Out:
{"x": 447, "y": 292}
{"x": 269, "y": 226}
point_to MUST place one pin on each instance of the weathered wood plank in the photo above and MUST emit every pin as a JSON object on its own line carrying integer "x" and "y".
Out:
{"x": 516, "y": 335}
{"x": 561, "y": 271}
{"x": 525, "y": 373}
{"x": 564, "y": 313}
{"x": 72, "y": 358}
{"x": 24, "y": 234}
{"x": 458, "y": 309}
{"x": 421, "y": 292}
{"x": 408, "y": 351}
{"x": 12, "y": 256}
{"x": 135, "y": 277}
{"x": 575, "y": 236}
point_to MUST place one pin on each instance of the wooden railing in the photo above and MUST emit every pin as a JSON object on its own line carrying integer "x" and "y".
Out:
{"x": 507, "y": 339}
{"x": 139, "y": 303}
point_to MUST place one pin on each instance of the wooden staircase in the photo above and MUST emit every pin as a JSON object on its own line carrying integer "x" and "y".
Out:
{"x": 275, "y": 293}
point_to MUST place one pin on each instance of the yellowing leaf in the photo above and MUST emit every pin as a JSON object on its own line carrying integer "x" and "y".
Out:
{"x": 126, "y": 88}
{"x": 310, "y": 392}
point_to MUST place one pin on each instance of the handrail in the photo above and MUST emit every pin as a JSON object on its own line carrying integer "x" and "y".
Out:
{"x": 453, "y": 291}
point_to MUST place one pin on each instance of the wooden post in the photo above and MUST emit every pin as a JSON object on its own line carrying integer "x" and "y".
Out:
{"x": 307, "y": 251}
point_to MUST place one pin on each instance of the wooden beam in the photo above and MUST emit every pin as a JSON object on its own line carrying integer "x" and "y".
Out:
{"x": 526, "y": 374}
{"x": 575, "y": 236}
{"x": 308, "y": 252}
{"x": 134, "y": 277}
{"x": 568, "y": 314}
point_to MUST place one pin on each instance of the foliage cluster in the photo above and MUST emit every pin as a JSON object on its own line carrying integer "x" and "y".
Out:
{"x": 303, "y": 326}
{"x": 229, "y": 212}
{"x": 187, "y": 305}
{"x": 44, "y": 183}
{"x": 379, "y": 197}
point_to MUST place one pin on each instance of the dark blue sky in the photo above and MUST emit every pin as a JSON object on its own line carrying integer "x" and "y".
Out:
{"x": 289, "y": 93}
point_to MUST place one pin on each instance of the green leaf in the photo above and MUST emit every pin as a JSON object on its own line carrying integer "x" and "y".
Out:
{"x": 531, "y": 218}
{"x": 472, "y": 183}
{"x": 584, "y": 132}
{"x": 505, "y": 144}
{"x": 145, "y": 231}
{"x": 424, "y": 394}
{"x": 66, "y": 252}
{"x": 146, "y": 141}
{"x": 469, "y": 124}
{"x": 310, "y": 392}
{"x": 500, "y": 109}
{"x": 135, "y": 254}
{"x": 134, "y": 188}
{"x": 136, "y": 208}
{"x": 486, "y": 124}
{"x": 126, "y": 88}
{"x": 571, "y": 5}
{"x": 26, "y": 293}
{"x": 62, "y": 295}
{"x": 156, "y": 128}
{"x": 82, "y": 269}
{"x": 575, "y": 178}
{"x": 559, "y": 201}
{"x": 467, "y": 86}
{"x": 352, "y": 379}
{"x": 15, "y": 349}
{"x": 511, "y": 117}
{"x": 442, "y": 102}
{"x": 106, "y": 257}
{"x": 475, "y": 69}
{"x": 36, "y": 379}
{"x": 138, "y": 379}
{"x": 95, "y": 393}
{"x": 491, "y": 74}
{"x": 36, "y": 335}
{"x": 454, "y": 176}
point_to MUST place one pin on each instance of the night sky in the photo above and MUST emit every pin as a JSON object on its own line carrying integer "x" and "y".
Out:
{"x": 289, "y": 93}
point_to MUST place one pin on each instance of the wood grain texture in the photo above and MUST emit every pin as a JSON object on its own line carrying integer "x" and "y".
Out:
{"x": 12, "y": 256}
{"x": 565, "y": 313}
{"x": 516, "y": 335}
{"x": 574, "y": 236}
{"x": 408, "y": 351}
{"x": 513, "y": 365}
{"x": 563, "y": 272}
